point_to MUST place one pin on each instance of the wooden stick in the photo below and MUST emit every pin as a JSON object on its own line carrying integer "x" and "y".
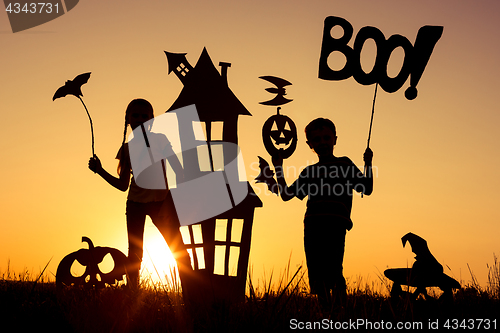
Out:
{"x": 373, "y": 111}
{"x": 91, "y": 126}
{"x": 370, "y": 131}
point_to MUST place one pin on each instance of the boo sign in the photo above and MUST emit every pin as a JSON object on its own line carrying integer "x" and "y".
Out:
{"x": 415, "y": 59}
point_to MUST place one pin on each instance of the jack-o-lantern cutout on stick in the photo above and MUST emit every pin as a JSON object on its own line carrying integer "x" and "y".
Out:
{"x": 91, "y": 258}
{"x": 279, "y": 133}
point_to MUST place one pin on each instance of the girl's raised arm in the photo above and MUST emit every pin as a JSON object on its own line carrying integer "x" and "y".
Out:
{"x": 121, "y": 183}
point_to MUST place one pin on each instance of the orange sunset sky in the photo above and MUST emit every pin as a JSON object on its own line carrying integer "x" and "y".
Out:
{"x": 436, "y": 157}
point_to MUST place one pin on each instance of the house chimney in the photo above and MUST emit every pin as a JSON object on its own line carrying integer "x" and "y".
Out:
{"x": 224, "y": 66}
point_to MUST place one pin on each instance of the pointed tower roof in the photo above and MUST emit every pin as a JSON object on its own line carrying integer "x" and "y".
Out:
{"x": 175, "y": 59}
{"x": 209, "y": 91}
{"x": 178, "y": 64}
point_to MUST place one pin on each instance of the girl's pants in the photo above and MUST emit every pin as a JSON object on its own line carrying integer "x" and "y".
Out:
{"x": 164, "y": 217}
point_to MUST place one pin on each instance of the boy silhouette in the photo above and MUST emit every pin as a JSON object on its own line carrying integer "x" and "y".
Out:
{"x": 328, "y": 185}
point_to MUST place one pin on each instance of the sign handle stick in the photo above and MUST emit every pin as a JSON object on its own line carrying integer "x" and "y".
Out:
{"x": 373, "y": 111}
{"x": 371, "y": 122}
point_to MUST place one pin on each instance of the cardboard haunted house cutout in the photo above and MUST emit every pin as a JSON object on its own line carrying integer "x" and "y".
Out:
{"x": 219, "y": 246}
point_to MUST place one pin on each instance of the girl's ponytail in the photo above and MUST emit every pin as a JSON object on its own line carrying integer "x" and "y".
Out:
{"x": 119, "y": 169}
{"x": 134, "y": 103}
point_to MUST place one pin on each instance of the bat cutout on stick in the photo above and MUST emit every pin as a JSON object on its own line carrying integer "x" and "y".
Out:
{"x": 279, "y": 99}
{"x": 266, "y": 176}
{"x": 278, "y": 131}
{"x": 74, "y": 87}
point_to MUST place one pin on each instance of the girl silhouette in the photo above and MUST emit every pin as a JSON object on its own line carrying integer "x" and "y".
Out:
{"x": 158, "y": 203}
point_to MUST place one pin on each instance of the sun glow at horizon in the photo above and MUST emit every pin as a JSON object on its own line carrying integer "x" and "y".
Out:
{"x": 158, "y": 263}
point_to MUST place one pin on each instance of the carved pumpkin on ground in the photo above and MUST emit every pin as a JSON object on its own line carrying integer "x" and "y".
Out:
{"x": 90, "y": 259}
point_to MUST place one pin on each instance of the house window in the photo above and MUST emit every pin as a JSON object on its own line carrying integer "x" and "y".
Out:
{"x": 186, "y": 238}
{"x": 192, "y": 235}
{"x": 220, "y": 230}
{"x": 204, "y": 158}
{"x": 201, "y": 257}
{"x": 227, "y": 237}
{"x": 217, "y": 130}
{"x": 236, "y": 230}
{"x": 190, "y": 252}
{"x": 220, "y": 255}
{"x": 234, "y": 256}
{"x": 182, "y": 69}
{"x": 200, "y": 130}
{"x": 232, "y": 264}
{"x": 227, "y": 256}
{"x": 198, "y": 239}
{"x": 217, "y": 157}
{"x": 211, "y": 154}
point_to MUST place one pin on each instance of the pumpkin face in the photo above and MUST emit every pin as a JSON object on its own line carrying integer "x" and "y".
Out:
{"x": 279, "y": 134}
{"x": 90, "y": 259}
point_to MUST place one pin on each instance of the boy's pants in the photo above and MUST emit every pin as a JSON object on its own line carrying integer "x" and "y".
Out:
{"x": 324, "y": 241}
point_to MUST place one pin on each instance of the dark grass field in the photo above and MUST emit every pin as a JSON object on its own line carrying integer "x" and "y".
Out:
{"x": 33, "y": 304}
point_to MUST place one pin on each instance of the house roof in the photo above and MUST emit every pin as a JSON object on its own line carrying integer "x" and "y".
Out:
{"x": 174, "y": 59}
{"x": 208, "y": 90}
